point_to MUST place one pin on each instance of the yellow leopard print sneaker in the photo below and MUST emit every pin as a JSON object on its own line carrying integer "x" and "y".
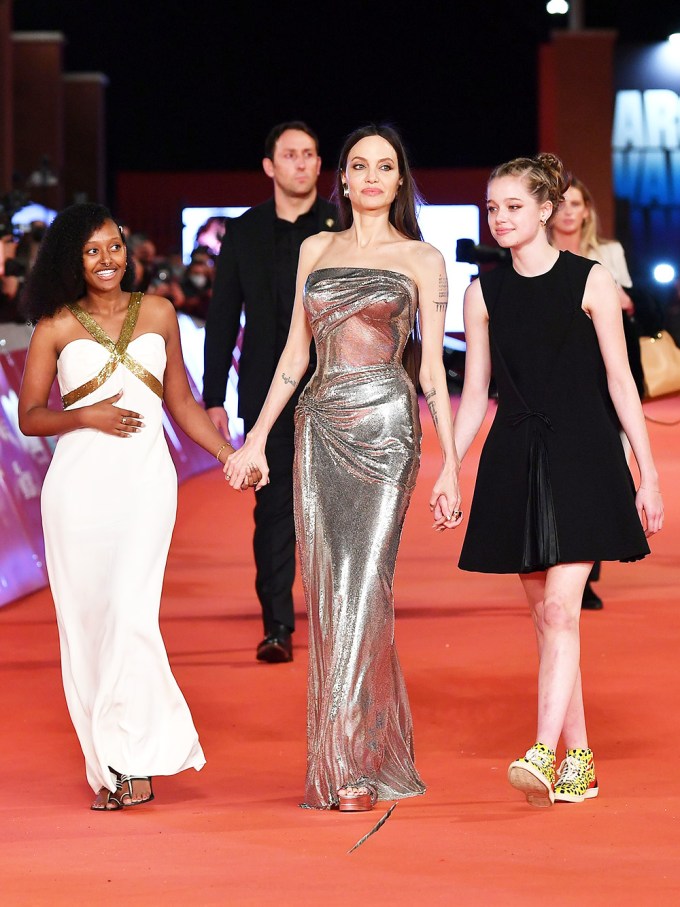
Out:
{"x": 576, "y": 779}
{"x": 534, "y": 775}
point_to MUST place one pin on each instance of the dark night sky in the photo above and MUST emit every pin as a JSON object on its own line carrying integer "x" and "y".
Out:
{"x": 197, "y": 86}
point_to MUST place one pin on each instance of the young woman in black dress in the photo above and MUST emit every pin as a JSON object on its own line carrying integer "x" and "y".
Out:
{"x": 553, "y": 492}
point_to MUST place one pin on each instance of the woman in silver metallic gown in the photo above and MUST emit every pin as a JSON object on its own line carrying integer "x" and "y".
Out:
{"x": 357, "y": 454}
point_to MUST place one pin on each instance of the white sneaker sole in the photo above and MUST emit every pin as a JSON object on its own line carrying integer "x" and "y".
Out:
{"x": 524, "y": 777}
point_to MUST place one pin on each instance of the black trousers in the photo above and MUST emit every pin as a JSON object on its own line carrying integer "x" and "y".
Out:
{"x": 274, "y": 538}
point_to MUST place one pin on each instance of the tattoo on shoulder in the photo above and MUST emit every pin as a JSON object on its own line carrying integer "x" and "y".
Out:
{"x": 288, "y": 380}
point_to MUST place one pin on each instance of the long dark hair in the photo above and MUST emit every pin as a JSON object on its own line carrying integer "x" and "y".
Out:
{"x": 402, "y": 215}
{"x": 57, "y": 275}
{"x": 403, "y": 208}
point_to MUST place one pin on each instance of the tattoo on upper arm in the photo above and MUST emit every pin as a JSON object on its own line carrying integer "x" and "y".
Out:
{"x": 288, "y": 380}
{"x": 432, "y": 405}
{"x": 442, "y": 301}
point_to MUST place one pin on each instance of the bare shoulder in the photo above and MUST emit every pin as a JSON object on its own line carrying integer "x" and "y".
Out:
{"x": 50, "y": 329}
{"x": 422, "y": 260}
{"x": 158, "y": 314}
{"x": 599, "y": 278}
{"x": 156, "y": 304}
{"x": 314, "y": 246}
{"x": 473, "y": 301}
{"x": 474, "y": 290}
{"x": 318, "y": 249}
{"x": 55, "y": 328}
{"x": 422, "y": 256}
{"x": 600, "y": 294}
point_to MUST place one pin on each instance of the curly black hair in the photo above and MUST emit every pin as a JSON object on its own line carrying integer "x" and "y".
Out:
{"x": 56, "y": 278}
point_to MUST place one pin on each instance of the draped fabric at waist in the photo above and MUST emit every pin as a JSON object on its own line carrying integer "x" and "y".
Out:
{"x": 369, "y": 421}
{"x": 541, "y": 542}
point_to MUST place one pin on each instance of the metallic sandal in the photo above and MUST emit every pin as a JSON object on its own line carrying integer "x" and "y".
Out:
{"x": 354, "y": 803}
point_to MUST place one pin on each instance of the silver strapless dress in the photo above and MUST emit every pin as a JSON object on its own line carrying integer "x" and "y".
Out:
{"x": 357, "y": 444}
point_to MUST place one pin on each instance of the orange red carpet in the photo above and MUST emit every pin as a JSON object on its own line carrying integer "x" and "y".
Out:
{"x": 233, "y": 834}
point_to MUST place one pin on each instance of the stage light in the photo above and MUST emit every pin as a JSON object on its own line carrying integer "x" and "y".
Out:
{"x": 675, "y": 39}
{"x": 664, "y": 273}
{"x": 557, "y": 7}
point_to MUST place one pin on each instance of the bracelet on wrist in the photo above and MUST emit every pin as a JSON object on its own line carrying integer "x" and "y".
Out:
{"x": 217, "y": 455}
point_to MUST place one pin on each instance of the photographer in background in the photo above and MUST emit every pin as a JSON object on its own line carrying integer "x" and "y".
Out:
{"x": 142, "y": 251}
{"x": 164, "y": 282}
{"x": 14, "y": 332}
{"x": 12, "y": 276}
{"x": 197, "y": 283}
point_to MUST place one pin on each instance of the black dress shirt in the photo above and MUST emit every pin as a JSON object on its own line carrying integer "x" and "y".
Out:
{"x": 288, "y": 237}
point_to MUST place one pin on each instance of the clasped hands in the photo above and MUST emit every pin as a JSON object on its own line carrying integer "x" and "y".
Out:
{"x": 445, "y": 502}
{"x": 247, "y": 468}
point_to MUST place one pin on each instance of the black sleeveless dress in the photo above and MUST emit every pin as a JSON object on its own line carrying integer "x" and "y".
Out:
{"x": 553, "y": 484}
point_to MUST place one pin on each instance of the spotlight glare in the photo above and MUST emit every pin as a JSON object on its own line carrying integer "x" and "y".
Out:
{"x": 557, "y": 7}
{"x": 664, "y": 273}
{"x": 675, "y": 39}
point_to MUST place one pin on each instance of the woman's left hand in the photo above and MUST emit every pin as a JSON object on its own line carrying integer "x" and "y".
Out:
{"x": 445, "y": 502}
{"x": 650, "y": 509}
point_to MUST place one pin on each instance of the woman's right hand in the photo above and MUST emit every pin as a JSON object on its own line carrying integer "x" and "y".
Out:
{"x": 111, "y": 419}
{"x": 246, "y": 462}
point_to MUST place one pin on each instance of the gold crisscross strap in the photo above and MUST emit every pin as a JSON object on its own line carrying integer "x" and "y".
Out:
{"x": 118, "y": 350}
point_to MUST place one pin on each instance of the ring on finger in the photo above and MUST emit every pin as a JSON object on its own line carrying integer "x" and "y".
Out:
{"x": 123, "y": 419}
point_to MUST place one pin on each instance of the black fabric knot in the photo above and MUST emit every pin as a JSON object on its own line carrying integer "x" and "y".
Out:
{"x": 517, "y": 418}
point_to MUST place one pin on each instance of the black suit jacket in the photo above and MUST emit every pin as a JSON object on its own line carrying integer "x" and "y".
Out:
{"x": 246, "y": 278}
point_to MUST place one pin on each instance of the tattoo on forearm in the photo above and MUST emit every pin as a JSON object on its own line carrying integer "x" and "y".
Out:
{"x": 288, "y": 380}
{"x": 432, "y": 405}
{"x": 442, "y": 301}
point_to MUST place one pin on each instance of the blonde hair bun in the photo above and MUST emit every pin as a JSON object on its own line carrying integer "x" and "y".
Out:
{"x": 544, "y": 176}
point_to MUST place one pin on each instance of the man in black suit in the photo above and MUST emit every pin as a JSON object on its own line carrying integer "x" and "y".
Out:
{"x": 256, "y": 272}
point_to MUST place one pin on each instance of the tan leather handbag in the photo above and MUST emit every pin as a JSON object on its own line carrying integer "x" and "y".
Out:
{"x": 660, "y": 365}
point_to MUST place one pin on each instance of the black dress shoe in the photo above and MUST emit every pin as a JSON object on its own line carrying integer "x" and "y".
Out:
{"x": 277, "y": 646}
{"x": 591, "y": 601}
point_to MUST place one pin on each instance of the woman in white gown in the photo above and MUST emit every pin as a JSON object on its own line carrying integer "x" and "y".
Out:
{"x": 109, "y": 498}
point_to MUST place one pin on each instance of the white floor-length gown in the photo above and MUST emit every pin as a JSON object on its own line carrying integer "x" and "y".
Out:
{"x": 108, "y": 506}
